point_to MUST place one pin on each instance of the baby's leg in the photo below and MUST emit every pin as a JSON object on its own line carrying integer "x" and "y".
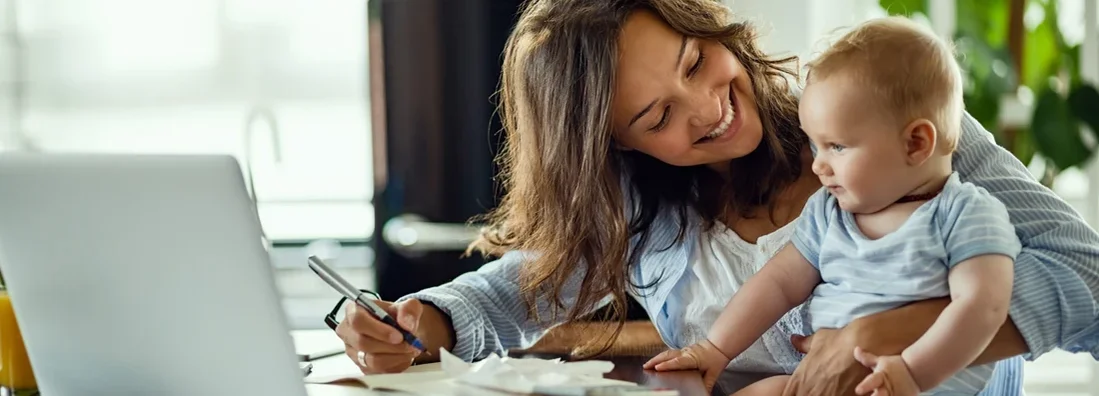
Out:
{"x": 770, "y": 386}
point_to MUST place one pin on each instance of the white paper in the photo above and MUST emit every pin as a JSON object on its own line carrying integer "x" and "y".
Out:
{"x": 523, "y": 376}
{"x": 452, "y": 376}
{"x": 340, "y": 368}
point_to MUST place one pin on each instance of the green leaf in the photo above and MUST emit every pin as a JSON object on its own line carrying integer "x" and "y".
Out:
{"x": 904, "y": 7}
{"x": 1083, "y": 100}
{"x": 984, "y": 64}
{"x": 987, "y": 19}
{"x": 989, "y": 76}
{"x": 1070, "y": 57}
{"x": 1056, "y": 131}
{"x": 982, "y": 101}
{"x": 1024, "y": 148}
{"x": 986, "y": 109}
{"x": 1042, "y": 56}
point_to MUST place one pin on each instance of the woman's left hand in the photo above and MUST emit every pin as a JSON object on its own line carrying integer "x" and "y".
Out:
{"x": 829, "y": 367}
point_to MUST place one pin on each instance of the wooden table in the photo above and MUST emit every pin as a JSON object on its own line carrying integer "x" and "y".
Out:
{"x": 689, "y": 383}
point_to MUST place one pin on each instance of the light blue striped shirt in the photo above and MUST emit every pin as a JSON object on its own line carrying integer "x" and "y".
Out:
{"x": 1055, "y": 302}
{"x": 862, "y": 276}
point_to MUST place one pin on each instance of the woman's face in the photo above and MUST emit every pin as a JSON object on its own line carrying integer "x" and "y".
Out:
{"x": 682, "y": 100}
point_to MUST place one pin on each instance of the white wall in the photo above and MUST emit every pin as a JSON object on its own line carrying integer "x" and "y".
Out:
{"x": 1090, "y": 67}
{"x": 797, "y": 27}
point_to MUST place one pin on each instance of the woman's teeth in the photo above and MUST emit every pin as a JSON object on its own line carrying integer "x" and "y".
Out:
{"x": 721, "y": 128}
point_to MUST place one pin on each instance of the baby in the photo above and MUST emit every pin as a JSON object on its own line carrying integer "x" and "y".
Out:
{"x": 892, "y": 225}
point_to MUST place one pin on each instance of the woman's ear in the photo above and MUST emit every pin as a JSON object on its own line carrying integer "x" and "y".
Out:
{"x": 920, "y": 138}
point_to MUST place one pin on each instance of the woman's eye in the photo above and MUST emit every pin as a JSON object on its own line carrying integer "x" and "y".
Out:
{"x": 698, "y": 64}
{"x": 663, "y": 120}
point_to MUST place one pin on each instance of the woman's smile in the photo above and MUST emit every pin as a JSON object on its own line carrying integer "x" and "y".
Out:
{"x": 729, "y": 125}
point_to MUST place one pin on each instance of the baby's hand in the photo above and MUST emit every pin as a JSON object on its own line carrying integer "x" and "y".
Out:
{"x": 703, "y": 356}
{"x": 890, "y": 377}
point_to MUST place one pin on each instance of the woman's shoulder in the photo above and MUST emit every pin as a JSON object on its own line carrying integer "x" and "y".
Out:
{"x": 979, "y": 160}
{"x": 973, "y": 134}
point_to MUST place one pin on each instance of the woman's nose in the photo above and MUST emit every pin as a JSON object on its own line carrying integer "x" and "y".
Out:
{"x": 707, "y": 109}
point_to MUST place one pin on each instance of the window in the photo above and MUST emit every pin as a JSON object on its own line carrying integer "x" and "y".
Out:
{"x": 186, "y": 76}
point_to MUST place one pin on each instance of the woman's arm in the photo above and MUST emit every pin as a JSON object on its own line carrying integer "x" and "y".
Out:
{"x": 830, "y": 368}
{"x": 638, "y": 338}
{"x": 485, "y": 310}
{"x": 890, "y": 332}
{"x": 1055, "y": 303}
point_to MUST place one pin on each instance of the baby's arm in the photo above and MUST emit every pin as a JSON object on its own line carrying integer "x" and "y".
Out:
{"x": 981, "y": 246}
{"x": 784, "y": 283}
{"x": 980, "y": 292}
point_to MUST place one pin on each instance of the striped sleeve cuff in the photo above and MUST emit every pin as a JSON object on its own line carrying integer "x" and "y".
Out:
{"x": 469, "y": 339}
{"x": 1048, "y": 305}
{"x": 1034, "y": 313}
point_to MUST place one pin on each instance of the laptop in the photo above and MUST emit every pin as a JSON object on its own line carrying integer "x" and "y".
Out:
{"x": 142, "y": 275}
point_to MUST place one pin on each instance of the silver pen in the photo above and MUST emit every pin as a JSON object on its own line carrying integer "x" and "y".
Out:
{"x": 351, "y": 292}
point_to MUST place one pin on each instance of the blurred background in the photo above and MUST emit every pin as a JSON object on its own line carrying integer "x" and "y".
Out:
{"x": 367, "y": 129}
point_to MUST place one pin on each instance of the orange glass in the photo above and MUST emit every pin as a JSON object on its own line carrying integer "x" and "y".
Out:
{"x": 15, "y": 366}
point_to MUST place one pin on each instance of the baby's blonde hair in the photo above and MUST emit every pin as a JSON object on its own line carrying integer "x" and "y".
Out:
{"x": 905, "y": 68}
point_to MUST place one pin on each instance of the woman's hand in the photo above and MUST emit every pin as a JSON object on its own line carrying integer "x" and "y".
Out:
{"x": 375, "y": 346}
{"x": 829, "y": 368}
{"x": 703, "y": 356}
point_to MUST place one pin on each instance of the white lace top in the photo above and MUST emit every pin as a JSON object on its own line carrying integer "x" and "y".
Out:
{"x": 722, "y": 263}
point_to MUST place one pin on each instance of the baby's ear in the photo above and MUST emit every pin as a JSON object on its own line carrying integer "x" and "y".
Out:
{"x": 920, "y": 138}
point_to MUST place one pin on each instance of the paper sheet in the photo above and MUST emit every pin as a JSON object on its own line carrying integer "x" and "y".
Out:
{"x": 340, "y": 368}
{"x": 452, "y": 376}
{"x": 525, "y": 376}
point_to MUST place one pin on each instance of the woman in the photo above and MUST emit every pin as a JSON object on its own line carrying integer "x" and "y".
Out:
{"x": 654, "y": 151}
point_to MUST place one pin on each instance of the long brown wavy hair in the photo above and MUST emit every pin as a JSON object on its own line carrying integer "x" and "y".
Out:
{"x": 563, "y": 177}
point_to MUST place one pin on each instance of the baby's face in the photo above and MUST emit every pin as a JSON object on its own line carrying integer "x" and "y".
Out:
{"x": 860, "y": 154}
